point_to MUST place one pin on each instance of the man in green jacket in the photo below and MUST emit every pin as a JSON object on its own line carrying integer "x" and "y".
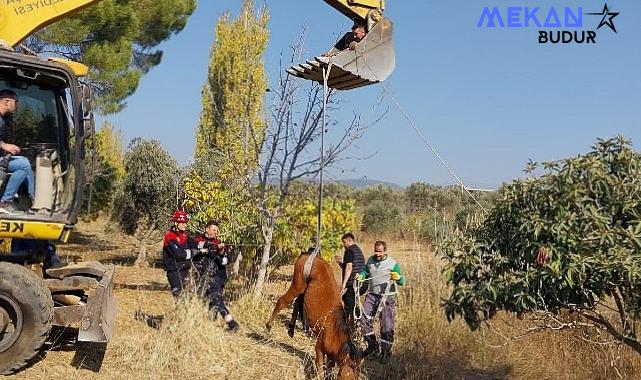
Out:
{"x": 383, "y": 274}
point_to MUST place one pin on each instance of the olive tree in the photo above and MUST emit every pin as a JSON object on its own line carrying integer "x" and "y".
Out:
{"x": 149, "y": 191}
{"x": 564, "y": 247}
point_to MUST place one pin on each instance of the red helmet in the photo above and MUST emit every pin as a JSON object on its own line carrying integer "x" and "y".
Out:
{"x": 180, "y": 217}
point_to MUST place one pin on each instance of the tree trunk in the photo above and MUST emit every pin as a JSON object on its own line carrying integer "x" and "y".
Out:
{"x": 268, "y": 234}
{"x": 141, "y": 260}
{"x": 236, "y": 267}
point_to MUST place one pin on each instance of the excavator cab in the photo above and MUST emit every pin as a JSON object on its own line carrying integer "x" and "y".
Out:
{"x": 372, "y": 61}
{"x": 51, "y": 125}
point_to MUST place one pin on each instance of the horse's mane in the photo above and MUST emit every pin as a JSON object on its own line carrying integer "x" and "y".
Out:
{"x": 349, "y": 347}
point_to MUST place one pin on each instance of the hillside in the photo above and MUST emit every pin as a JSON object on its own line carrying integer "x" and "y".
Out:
{"x": 360, "y": 183}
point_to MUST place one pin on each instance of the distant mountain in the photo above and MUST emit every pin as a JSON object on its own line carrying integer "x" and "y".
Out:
{"x": 360, "y": 183}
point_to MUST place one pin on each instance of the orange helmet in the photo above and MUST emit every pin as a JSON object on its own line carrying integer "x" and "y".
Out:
{"x": 180, "y": 217}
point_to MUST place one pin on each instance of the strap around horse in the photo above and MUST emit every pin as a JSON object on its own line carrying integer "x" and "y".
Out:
{"x": 307, "y": 269}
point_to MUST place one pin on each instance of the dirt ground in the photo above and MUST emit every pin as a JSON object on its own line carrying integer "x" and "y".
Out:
{"x": 157, "y": 339}
{"x": 144, "y": 301}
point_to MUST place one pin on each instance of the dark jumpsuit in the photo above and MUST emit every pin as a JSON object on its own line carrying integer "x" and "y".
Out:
{"x": 176, "y": 251}
{"x": 212, "y": 272}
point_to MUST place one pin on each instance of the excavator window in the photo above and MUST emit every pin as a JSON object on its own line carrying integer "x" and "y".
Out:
{"x": 41, "y": 128}
{"x": 36, "y": 120}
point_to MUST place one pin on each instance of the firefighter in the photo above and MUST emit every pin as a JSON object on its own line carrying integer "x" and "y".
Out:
{"x": 211, "y": 266}
{"x": 178, "y": 249}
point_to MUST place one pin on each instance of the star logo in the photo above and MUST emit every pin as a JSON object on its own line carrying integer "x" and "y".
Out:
{"x": 607, "y": 18}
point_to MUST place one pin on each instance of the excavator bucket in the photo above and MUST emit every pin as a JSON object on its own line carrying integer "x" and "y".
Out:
{"x": 371, "y": 62}
{"x": 96, "y": 313}
{"x": 99, "y": 320}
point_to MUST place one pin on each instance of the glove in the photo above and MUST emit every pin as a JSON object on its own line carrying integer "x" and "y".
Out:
{"x": 359, "y": 277}
{"x": 394, "y": 276}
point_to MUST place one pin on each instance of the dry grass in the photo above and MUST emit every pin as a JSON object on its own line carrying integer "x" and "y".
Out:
{"x": 157, "y": 338}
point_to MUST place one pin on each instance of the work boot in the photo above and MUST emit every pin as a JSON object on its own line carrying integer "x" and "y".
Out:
{"x": 233, "y": 326}
{"x": 9, "y": 208}
{"x": 372, "y": 346}
{"x": 386, "y": 354}
{"x": 212, "y": 314}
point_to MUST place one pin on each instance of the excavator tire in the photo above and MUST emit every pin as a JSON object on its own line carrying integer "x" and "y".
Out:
{"x": 27, "y": 314}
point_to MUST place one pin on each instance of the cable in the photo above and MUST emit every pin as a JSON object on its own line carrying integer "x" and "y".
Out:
{"x": 429, "y": 145}
{"x": 420, "y": 134}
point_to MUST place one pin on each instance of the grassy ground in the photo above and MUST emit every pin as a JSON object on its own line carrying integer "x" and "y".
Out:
{"x": 157, "y": 339}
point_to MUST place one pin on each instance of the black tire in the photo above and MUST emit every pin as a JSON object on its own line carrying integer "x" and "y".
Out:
{"x": 27, "y": 301}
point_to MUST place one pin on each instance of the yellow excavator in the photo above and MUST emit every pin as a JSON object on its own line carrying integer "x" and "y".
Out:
{"x": 371, "y": 61}
{"x": 54, "y": 122}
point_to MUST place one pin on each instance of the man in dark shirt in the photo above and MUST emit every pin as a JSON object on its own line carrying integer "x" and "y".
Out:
{"x": 352, "y": 263}
{"x": 18, "y": 166}
{"x": 351, "y": 39}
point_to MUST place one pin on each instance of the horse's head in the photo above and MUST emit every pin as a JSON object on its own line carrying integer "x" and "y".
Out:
{"x": 351, "y": 365}
{"x": 350, "y": 369}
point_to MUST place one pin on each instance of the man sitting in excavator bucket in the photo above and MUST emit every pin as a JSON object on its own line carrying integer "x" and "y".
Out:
{"x": 350, "y": 39}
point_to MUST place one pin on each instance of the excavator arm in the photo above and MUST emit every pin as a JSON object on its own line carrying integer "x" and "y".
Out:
{"x": 359, "y": 10}
{"x": 20, "y": 18}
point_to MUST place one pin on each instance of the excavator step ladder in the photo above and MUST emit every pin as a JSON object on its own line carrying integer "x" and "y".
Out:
{"x": 371, "y": 62}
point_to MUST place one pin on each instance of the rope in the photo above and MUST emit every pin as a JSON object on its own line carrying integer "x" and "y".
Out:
{"x": 358, "y": 311}
{"x": 420, "y": 134}
{"x": 429, "y": 145}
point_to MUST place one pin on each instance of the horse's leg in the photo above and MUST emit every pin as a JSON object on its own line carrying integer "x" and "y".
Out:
{"x": 298, "y": 310}
{"x": 331, "y": 363}
{"x": 294, "y": 291}
{"x": 319, "y": 356}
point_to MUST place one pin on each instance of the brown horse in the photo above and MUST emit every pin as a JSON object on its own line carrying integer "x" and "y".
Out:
{"x": 324, "y": 313}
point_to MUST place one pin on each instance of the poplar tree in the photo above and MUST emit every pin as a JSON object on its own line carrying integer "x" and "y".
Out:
{"x": 232, "y": 120}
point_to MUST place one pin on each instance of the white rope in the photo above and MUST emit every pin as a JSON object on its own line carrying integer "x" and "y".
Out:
{"x": 429, "y": 145}
{"x": 356, "y": 287}
{"x": 420, "y": 134}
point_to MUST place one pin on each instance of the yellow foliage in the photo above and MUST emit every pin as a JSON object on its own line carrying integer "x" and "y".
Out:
{"x": 109, "y": 149}
{"x": 209, "y": 200}
{"x": 296, "y": 230}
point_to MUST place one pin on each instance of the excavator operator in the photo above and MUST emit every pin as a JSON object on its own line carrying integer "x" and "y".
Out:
{"x": 18, "y": 166}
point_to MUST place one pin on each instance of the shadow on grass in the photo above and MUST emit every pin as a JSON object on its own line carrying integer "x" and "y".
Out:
{"x": 90, "y": 241}
{"x": 153, "y": 321}
{"x": 278, "y": 277}
{"x": 128, "y": 260}
{"x": 88, "y": 355}
{"x": 405, "y": 364}
{"x": 307, "y": 359}
{"x": 153, "y": 286}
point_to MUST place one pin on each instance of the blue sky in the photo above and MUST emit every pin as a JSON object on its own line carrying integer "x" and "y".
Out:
{"x": 487, "y": 99}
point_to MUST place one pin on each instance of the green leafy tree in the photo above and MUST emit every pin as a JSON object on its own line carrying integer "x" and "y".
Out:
{"x": 296, "y": 229}
{"x": 380, "y": 217}
{"x": 149, "y": 191}
{"x": 117, "y": 39}
{"x": 569, "y": 240}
